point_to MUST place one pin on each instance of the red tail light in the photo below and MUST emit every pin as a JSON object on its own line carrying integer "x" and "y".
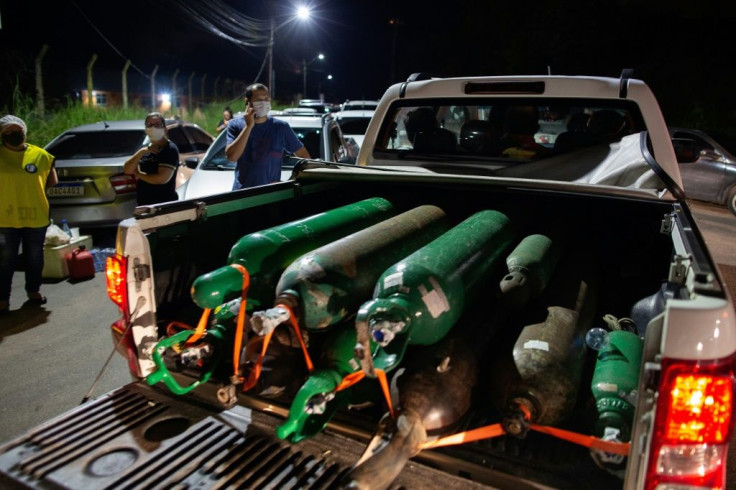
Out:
{"x": 693, "y": 425}
{"x": 123, "y": 183}
{"x": 117, "y": 287}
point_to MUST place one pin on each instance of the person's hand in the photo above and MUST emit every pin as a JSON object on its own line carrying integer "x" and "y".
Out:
{"x": 250, "y": 115}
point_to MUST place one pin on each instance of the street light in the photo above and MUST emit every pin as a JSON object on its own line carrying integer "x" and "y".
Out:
{"x": 305, "y": 65}
{"x": 302, "y": 14}
{"x": 319, "y": 87}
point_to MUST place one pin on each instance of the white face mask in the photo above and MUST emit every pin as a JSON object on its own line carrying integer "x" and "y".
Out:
{"x": 155, "y": 134}
{"x": 262, "y": 107}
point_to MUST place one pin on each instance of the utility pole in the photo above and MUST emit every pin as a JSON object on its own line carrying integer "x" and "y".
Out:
{"x": 153, "y": 88}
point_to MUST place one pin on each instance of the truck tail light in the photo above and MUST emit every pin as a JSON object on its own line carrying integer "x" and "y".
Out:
{"x": 117, "y": 287}
{"x": 693, "y": 426}
{"x": 123, "y": 183}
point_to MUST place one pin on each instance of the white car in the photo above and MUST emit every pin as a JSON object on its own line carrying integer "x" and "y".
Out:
{"x": 320, "y": 134}
{"x": 359, "y": 105}
{"x": 354, "y": 123}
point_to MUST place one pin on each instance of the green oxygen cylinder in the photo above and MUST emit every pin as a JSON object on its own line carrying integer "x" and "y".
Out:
{"x": 530, "y": 267}
{"x": 614, "y": 386}
{"x": 328, "y": 284}
{"x": 317, "y": 400}
{"x": 419, "y": 299}
{"x": 266, "y": 253}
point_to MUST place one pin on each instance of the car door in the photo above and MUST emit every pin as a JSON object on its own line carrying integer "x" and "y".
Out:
{"x": 703, "y": 178}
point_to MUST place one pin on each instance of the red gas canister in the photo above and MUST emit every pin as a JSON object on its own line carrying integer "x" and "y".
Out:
{"x": 81, "y": 264}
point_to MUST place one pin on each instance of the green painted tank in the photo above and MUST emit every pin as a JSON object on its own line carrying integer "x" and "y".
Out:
{"x": 328, "y": 284}
{"x": 615, "y": 381}
{"x": 530, "y": 267}
{"x": 318, "y": 399}
{"x": 266, "y": 253}
{"x": 418, "y": 300}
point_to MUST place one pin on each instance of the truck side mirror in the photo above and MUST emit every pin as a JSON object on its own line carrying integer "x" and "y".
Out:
{"x": 191, "y": 162}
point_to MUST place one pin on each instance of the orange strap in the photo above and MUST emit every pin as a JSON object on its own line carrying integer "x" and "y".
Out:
{"x": 353, "y": 378}
{"x": 487, "y": 432}
{"x": 496, "y": 430}
{"x": 298, "y": 333}
{"x": 381, "y": 374}
{"x": 240, "y": 326}
{"x": 350, "y": 380}
{"x": 201, "y": 327}
{"x": 256, "y": 371}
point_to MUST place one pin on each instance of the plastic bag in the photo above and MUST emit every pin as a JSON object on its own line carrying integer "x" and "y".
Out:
{"x": 55, "y": 236}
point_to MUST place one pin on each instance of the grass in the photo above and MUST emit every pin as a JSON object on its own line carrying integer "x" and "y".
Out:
{"x": 43, "y": 128}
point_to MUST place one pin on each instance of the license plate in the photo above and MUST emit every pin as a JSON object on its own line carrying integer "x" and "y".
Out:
{"x": 65, "y": 190}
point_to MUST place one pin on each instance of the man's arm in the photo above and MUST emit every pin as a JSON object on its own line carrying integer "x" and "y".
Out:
{"x": 52, "y": 179}
{"x": 302, "y": 152}
{"x": 235, "y": 150}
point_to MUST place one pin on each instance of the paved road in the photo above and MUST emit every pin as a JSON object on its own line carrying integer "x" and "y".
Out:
{"x": 50, "y": 356}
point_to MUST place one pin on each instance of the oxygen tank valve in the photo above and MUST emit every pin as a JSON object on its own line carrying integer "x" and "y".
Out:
{"x": 384, "y": 331}
{"x": 191, "y": 356}
{"x": 519, "y": 417}
{"x": 265, "y": 322}
{"x": 318, "y": 403}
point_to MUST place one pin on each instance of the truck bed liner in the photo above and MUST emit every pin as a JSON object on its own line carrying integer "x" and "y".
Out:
{"x": 137, "y": 437}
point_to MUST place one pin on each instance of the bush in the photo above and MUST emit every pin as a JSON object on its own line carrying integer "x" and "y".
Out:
{"x": 42, "y": 129}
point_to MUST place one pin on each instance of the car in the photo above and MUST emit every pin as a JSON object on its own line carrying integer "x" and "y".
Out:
{"x": 93, "y": 191}
{"x": 352, "y": 105}
{"x": 708, "y": 170}
{"x": 354, "y": 123}
{"x": 320, "y": 134}
{"x": 318, "y": 104}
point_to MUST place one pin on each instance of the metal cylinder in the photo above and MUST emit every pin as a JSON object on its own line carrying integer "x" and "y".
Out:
{"x": 530, "y": 267}
{"x": 418, "y": 300}
{"x": 266, "y": 253}
{"x": 332, "y": 281}
{"x": 317, "y": 400}
{"x": 615, "y": 382}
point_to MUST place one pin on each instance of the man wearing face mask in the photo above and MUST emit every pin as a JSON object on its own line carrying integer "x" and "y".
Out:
{"x": 257, "y": 142}
{"x": 26, "y": 171}
{"x": 155, "y": 165}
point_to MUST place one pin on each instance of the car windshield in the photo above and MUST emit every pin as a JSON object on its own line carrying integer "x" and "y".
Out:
{"x": 554, "y": 139}
{"x": 98, "y": 144}
{"x": 216, "y": 159}
{"x": 354, "y": 125}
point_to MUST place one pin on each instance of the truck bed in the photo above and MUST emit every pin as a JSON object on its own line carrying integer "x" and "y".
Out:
{"x": 140, "y": 437}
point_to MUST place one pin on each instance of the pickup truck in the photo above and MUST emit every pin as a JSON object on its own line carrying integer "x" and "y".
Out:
{"x": 507, "y": 291}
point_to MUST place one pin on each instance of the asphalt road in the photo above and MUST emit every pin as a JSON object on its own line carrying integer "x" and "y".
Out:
{"x": 52, "y": 356}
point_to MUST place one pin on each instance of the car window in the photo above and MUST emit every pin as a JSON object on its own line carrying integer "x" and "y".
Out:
{"x": 354, "y": 125}
{"x": 98, "y": 144}
{"x": 215, "y": 158}
{"x": 310, "y": 138}
{"x": 200, "y": 139}
{"x": 177, "y": 135}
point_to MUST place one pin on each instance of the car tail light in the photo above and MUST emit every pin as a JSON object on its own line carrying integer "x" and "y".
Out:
{"x": 117, "y": 287}
{"x": 693, "y": 426}
{"x": 123, "y": 183}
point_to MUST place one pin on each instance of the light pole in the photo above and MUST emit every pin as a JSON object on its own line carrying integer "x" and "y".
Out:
{"x": 302, "y": 14}
{"x": 319, "y": 87}
{"x": 306, "y": 65}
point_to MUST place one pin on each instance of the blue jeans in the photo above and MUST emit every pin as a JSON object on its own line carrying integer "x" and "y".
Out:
{"x": 10, "y": 240}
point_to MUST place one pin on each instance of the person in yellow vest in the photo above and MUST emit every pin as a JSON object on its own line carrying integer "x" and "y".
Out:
{"x": 26, "y": 171}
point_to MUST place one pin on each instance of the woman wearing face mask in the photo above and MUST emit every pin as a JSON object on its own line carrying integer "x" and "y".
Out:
{"x": 257, "y": 142}
{"x": 26, "y": 171}
{"x": 155, "y": 165}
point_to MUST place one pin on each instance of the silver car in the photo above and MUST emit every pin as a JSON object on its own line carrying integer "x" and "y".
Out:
{"x": 708, "y": 170}
{"x": 93, "y": 191}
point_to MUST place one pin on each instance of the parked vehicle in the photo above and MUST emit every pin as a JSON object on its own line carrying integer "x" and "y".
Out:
{"x": 319, "y": 105}
{"x": 359, "y": 105}
{"x": 708, "y": 170}
{"x": 93, "y": 191}
{"x": 502, "y": 314}
{"x": 354, "y": 123}
{"x": 319, "y": 132}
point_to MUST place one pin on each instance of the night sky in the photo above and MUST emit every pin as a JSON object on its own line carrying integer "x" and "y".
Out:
{"x": 685, "y": 50}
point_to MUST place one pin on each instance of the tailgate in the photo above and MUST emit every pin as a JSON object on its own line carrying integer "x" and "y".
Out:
{"x": 136, "y": 437}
